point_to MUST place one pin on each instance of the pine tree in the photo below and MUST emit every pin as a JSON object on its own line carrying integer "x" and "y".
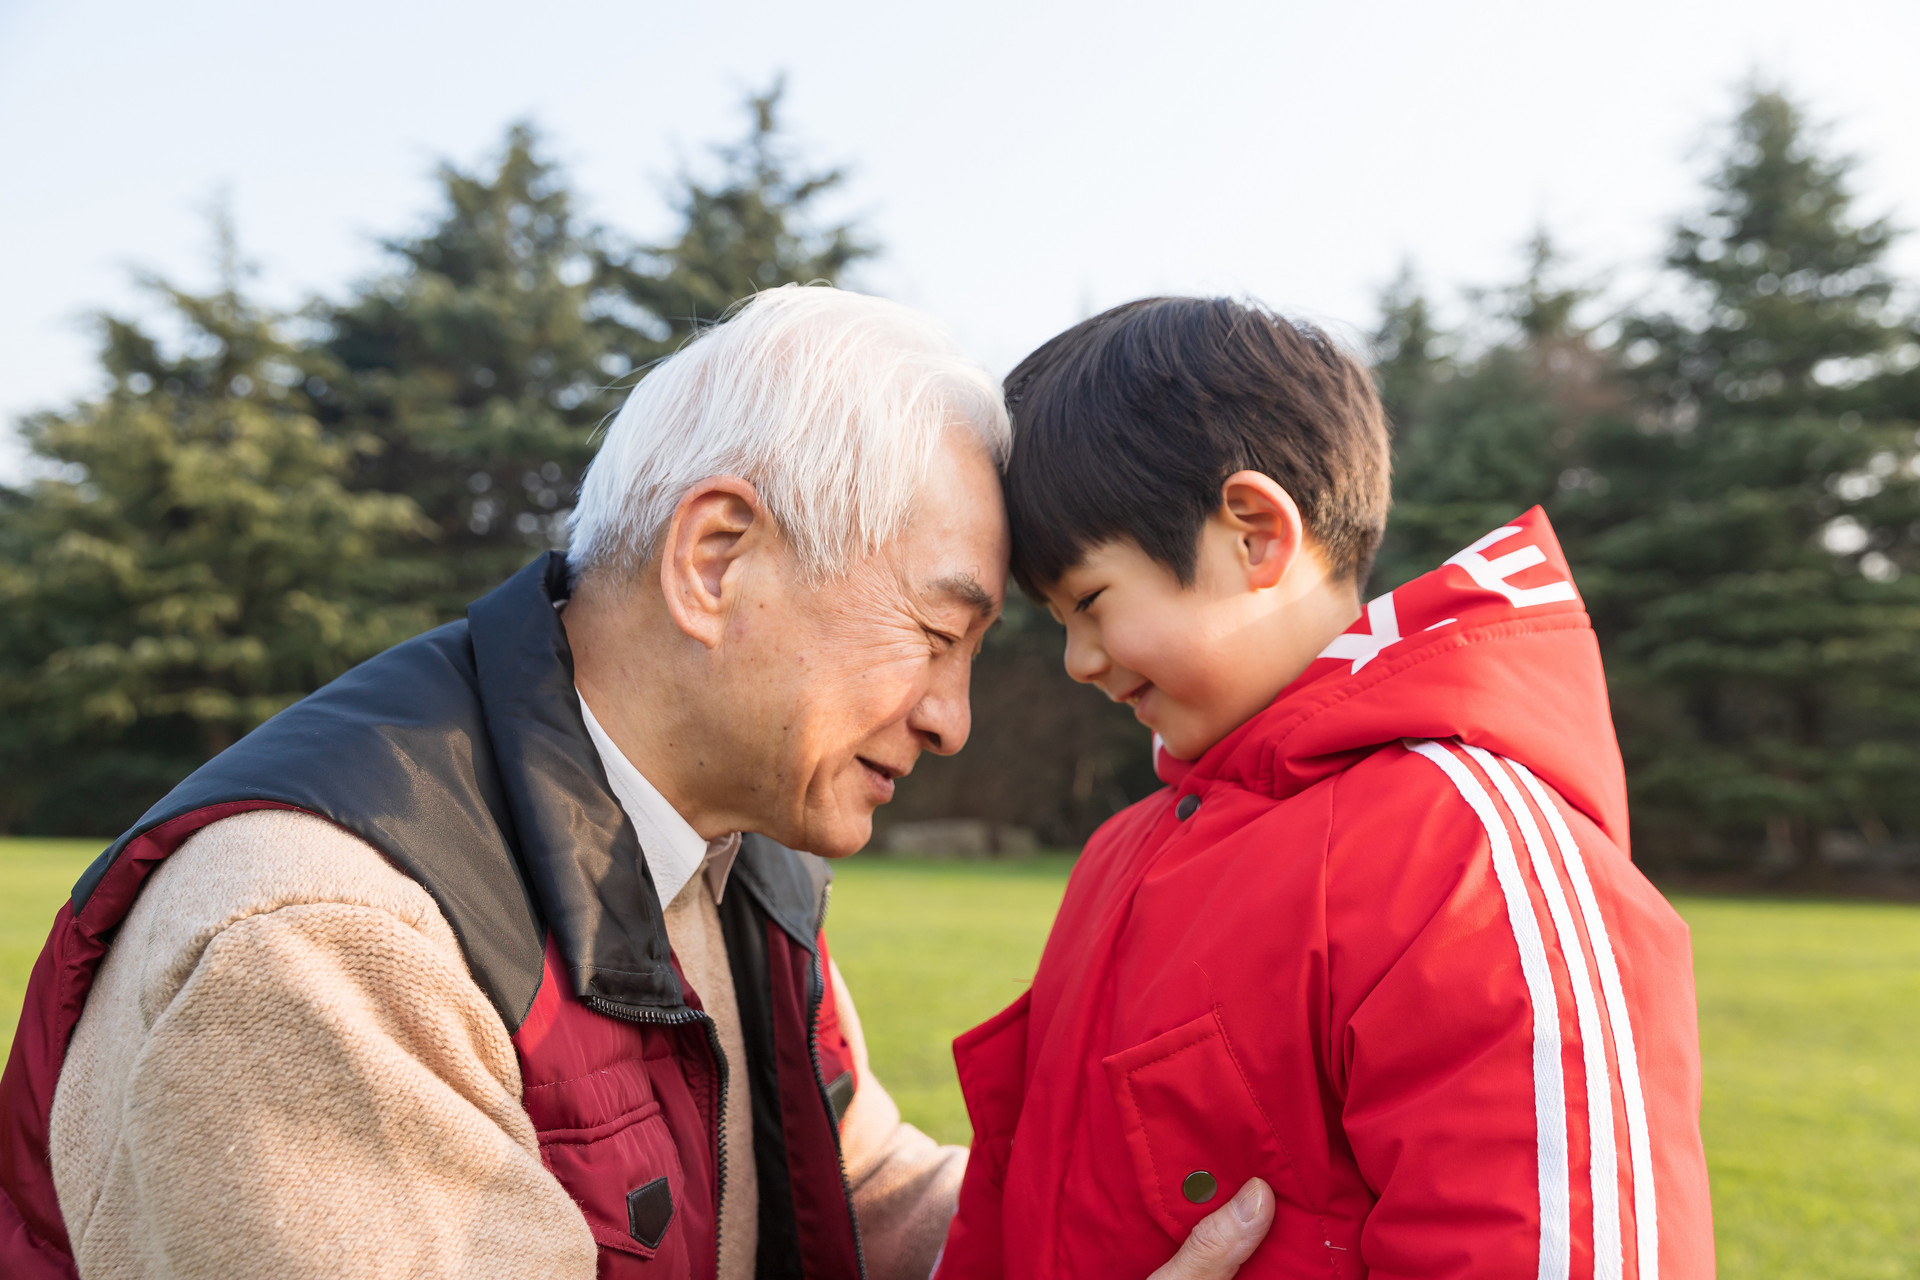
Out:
{"x": 1490, "y": 421}
{"x": 482, "y": 366}
{"x": 756, "y": 227}
{"x": 1412, "y": 357}
{"x": 512, "y": 329}
{"x": 190, "y": 561}
{"x": 1763, "y": 644}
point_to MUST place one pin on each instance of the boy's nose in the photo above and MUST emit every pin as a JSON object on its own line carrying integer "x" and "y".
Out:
{"x": 1085, "y": 660}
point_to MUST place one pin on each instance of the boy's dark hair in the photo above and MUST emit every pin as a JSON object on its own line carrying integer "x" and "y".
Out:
{"x": 1127, "y": 424}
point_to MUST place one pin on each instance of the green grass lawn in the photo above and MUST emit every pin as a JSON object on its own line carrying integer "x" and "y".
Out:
{"x": 35, "y": 877}
{"x": 898, "y": 929}
{"x": 1810, "y": 1031}
{"x": 1809, "y": 1022}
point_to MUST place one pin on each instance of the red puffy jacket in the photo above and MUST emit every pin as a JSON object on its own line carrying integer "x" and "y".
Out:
{"x": 1381, "y": 946}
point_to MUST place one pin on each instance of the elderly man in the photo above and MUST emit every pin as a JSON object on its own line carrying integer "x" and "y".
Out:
{"x": 494, "y": 957}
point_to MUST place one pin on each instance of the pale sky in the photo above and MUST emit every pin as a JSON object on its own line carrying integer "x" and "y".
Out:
{"x": 1023, "y": 163}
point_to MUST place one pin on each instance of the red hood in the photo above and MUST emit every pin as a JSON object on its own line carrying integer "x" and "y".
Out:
{"x": 1494, "y": 648}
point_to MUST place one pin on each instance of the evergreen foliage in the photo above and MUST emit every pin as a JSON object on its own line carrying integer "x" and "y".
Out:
{"x": 1734, "y": 479}
{"x": 755, "y": 227}
{"x": 1490, "y": 421}
{"x": 482, "y": 365}
{"x": 1763, "y": 640}
{"x": 191, "y": 560}
{"x": 510, "y": 330}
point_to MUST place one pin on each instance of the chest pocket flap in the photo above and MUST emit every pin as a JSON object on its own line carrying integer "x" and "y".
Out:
{"x": 992, "y": 1063}
{"x": 1191, "y": 1124}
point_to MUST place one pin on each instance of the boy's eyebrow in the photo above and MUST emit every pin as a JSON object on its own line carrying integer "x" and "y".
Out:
{"x": 965, "y": 588}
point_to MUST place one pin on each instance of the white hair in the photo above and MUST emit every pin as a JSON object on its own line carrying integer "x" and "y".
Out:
{"x": 832, "y": 404}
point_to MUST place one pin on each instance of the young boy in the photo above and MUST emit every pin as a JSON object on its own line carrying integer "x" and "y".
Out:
{"x": 1377, "y": 941}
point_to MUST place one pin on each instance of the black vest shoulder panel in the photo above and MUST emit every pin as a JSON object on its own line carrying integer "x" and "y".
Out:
{"x": 397, "y": 752}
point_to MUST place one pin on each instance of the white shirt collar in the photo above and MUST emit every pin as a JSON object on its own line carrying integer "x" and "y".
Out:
{"x": 673, "y": 850}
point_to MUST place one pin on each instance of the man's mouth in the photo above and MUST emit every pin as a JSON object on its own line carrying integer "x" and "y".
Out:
{"x": 882, "y": 775}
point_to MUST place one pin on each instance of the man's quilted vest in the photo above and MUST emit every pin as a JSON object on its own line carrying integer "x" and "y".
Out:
{"x": 461, "y": 755}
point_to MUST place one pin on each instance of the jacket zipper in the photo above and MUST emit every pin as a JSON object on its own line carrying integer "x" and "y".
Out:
{"x": 629, "y": 1014}
{"x": 816, "y": 993}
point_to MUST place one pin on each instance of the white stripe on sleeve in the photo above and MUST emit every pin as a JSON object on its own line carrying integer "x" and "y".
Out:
{"x": 1549, "y": 1085}
{"x": 1603, "y": 1160}
{"x": 1645, "y": 1216}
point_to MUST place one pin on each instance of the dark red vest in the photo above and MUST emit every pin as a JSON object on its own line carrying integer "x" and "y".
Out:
{"x": 461, "y": 755}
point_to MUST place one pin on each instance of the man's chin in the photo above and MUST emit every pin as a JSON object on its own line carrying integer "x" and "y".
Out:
{"x": 837, "y": 835}
{"x": 845, "y": 840}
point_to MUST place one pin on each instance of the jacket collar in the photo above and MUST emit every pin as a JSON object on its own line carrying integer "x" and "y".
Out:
{"x": 1494, "y": 648}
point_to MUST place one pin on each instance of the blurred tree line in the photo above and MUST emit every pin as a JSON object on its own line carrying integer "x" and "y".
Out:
{"x": 260, "y": 500}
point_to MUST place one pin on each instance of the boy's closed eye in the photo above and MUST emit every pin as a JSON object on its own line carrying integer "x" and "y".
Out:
{"x": 1086, "y": 601}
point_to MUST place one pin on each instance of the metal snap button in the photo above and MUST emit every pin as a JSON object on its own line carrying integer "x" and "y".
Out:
{"x": 1199, "y": 1186}
{"x": 1185, "y": 808}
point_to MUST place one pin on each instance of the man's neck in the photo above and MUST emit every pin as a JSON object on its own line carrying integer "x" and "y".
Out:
{"x": 626, "y": 664}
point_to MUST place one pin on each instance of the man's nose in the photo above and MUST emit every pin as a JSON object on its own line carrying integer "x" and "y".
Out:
{"x": 943, "y": 719}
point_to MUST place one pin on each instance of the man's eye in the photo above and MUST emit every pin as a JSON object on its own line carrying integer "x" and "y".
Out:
{"x": 1085, "y": 602}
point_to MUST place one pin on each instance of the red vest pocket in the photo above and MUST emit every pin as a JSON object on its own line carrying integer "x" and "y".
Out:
{"x": 1191, "y": 1124}
{"x": 596, "y": 1166}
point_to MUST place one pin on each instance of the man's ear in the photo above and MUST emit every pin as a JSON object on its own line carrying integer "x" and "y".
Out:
{"x": 703, "y": 557}
{"x": 1266, "y": 521}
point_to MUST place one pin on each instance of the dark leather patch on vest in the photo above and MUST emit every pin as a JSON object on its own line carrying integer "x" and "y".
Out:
{"x": 649, "y": 1210}
{"x": 840, "y": 1095}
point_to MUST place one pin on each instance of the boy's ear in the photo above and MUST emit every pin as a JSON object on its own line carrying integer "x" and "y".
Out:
{"x": 1266, "y": 521}
{"x": 714, "y": 529}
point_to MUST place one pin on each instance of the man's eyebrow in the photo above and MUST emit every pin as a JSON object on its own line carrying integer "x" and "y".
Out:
{"x": 967, "y": 589}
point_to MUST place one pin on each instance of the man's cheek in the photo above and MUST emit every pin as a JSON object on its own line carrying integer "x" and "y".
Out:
{"x": 886, "y": 686}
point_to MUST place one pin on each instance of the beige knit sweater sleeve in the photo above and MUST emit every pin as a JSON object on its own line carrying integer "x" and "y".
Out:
{"x": 285, "y": 1070}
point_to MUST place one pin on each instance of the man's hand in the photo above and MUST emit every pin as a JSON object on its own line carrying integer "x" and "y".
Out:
{"x": 1223, "y": 1239}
